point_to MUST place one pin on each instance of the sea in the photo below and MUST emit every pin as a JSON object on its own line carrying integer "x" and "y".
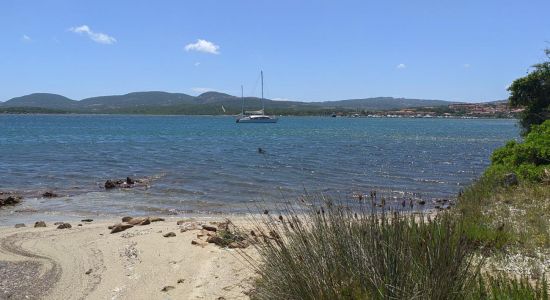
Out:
{"x": 212, "y": 165}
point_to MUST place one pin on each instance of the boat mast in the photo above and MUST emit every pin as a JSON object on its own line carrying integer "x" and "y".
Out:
{"x": 242, "y": 98}
{"x": 262, "y": 75}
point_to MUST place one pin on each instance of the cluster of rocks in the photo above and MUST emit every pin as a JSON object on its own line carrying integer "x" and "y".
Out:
{"x": 129, "y": 222}
{"x": 222, "y": 234}
{"x": 13, "y": 198}
{"x": 381, "y": 201}
{"x": 441, "y": 204}
{"x": 60, "y": 225}
{"x": 123, "y": 183}
{"x": 9, "y": 198}
{"x": 49, "y": 194}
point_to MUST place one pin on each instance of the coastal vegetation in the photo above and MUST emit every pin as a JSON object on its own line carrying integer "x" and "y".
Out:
{"x": 495, "y": 244}
{"x": 335, "y": 252}
{"x": 528, "y": 160}
{"x": 533, "y": 93}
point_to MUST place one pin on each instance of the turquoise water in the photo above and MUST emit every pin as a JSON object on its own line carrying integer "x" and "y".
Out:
{"x": 212, "y": 164}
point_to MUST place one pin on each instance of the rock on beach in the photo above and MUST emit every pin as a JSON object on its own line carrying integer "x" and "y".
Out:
{"x": 40, "y": 224}
{"x": 122, "y": 183}
{"x": 119, "y": 227}
{"x": 9, "y": 199}
{"x": 64, "y": 226}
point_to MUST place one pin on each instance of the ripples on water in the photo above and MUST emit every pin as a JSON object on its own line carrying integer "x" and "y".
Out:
{"x": 212, "y": 164}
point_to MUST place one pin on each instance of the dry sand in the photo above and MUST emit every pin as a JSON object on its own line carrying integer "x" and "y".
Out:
{"x": 87, "y": 262}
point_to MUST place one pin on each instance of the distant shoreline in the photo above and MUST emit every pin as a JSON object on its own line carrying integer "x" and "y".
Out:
{"x": 215, "y": 103}
{"x": 232, "y": 116}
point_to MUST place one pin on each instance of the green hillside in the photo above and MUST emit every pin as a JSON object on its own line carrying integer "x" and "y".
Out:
{"x": 155, "y": 102}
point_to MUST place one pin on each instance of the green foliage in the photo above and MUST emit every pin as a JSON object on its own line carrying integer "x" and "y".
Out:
{"x": 486, "y": 236}
{"x": 533, "y": 93}
{"x": 504, "y": 218}
{"x": 502, "y": 287}
{"x": 31, "y": 110}
{"x": 528, "y": 159}
{"x": 336, "y": 252}
{"x": 227, "y": 237}
{"x": 487, "y": 204}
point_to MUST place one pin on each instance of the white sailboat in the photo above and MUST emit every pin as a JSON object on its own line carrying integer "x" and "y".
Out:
{"x": 257, "y": 116}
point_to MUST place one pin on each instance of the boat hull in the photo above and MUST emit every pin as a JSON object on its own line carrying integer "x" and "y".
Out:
{"x": 257, "y": 120}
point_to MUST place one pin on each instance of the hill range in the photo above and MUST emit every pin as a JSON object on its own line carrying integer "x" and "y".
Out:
{"x": 155, "y": 102}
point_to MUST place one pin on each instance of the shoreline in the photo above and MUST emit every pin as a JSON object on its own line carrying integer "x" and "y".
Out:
{"x": 454, "y": 117}
{"x": 134, "y": 264}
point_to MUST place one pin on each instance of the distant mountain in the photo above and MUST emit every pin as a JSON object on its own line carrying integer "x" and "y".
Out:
{"x": 207, "y": 103}
{"x": 42, "y": 100}
{"x": 214, "y": 97}
{"x": 133, "y": 100}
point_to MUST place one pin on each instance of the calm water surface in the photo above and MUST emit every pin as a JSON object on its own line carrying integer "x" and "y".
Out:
{"x": 212, "y": 164}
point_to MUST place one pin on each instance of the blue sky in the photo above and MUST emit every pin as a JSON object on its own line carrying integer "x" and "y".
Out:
{"x": 309, "y": 50}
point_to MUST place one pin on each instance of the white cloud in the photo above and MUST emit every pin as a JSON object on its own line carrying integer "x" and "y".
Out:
{"x": 401, "y": 66}
{"x": 97, "y": 37}
{"x": 198, "y": 63}
{"x": 203, "y": 46}
{"x": 201, "y": 90}
{"x": 281, "y": 99}
{"x": 466, "y": 66}
{"x": 26, "y": 38}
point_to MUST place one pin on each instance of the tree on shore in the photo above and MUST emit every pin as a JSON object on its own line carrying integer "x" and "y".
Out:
{"x": 533, "y": 93}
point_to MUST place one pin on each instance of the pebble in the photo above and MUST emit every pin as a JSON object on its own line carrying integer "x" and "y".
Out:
{"x": 169, "y": 234}
{"x": 202, "y": 244}
{"x": 64, "y": 226}
{"x": 20, "y": 225}
{"x": 215, "y": 240}
{"x": 209, "y": 228}
{"x": 126, "y": 219}
{"x": 40, "y": 224}
{"x": 50, "y": 194}
{"x": 119, "y": 227}
{"x": 139, "y": 221}
{"x": 167, "y": 288}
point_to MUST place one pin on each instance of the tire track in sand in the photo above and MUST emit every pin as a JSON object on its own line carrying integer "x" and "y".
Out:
{"x": 28, "y": 275}
{"x": 25, "y": 274}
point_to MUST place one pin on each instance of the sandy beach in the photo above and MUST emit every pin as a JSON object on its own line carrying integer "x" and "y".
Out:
{"x": 88, "y": 262}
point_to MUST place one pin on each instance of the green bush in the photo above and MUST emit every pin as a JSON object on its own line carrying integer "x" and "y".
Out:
{"x": 335, "y": 252}
{"x": 528, "y": 160}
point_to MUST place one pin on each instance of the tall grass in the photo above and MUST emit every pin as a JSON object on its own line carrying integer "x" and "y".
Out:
{"x": 516, "y": 218}
{"x": 504, "y": 287}
{"x": 332, "y": 251}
